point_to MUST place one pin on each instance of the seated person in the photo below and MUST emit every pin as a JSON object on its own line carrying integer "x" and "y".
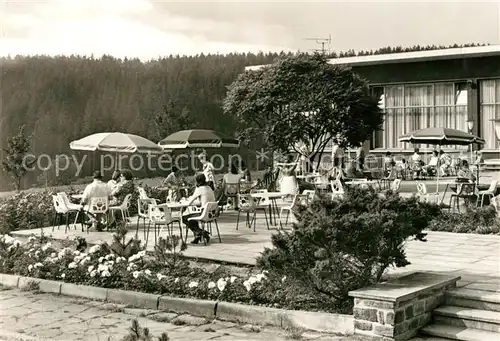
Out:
{"x": 202, "y": 195}
{"x": 231, "y": 185}
{"x": 464, "y": 173}
{"x": 125, "y": 187}
{"x": 97, "y": 189}
{"x": 115, "y": 180}
{"x": 401, "y": 169}
{"x": 353, "y": 173}
{"x": 444, "y": 163}
{"x": 389, "y": 163}
{"x": 431, "y": 168}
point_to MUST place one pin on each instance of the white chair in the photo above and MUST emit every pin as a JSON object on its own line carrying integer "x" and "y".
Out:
{"x": 337, "y": 189}
{"x": 298, "y": 199}
{"x": 247, "y": 204}
{"x": 142, "y": 193}
{"x": 490, "y": 192}
{"x": 143, "y": 213}
{"x": 208, "y": 216}
{"x": 97, "y": 208}
{"x": 310, "y": 194}
{"x": 396, "y": 185}
{"x": 72, "y": 208}
{"x": 122, "y": 208}
{"x": 264, "y": 203}
{"x": 61, "y": 211}
{"x": 162, "y": 216}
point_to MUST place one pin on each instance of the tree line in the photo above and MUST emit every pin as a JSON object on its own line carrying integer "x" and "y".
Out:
{"x": 60, "y": 99}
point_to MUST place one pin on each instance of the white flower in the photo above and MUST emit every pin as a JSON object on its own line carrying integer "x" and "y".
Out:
{"x": 193, "y": 284}
{"x": 119, "y": 259}
{"x": 63, "y": 276}
{"x": 53, "y": 255}
{"x": 176, "y": 280}
{"x": 87, "y": 259}
{"x": 221, "y": 284}
{"x": 247, "y": 285}
{"x": 76, "y": 253}
{"x": 16, "y": 243}
{"x": 37, "y": 253}
{"x": 136, "y": 274}
{"x": 72, "y": 265}
{"x": 63, "y": 252}
{"x": 94, "y": 249}
{"x": 260, "y": 277}
{"x": 46, "y": 246}
{"x": 111, "y": 263}
{"x": 102, "y": 267}
{"x": 110, "y": 256}
{"x": 265, "y": 272}
{"x": 160, "y": 276}
{"x": 93, "y": 273}
{"x": 90, "y": 268}
{"x": 211, "y": 285}
{"x": 31, "y": 239}
{"x": 105, "y": 273}
{"x": 30, "y": 267}
{"x": 283, "y": 279}
{"x": 147, "y": 272}
{"x": 233, "y": 278}
{"x": 141, "y": 253}
{"x": 131, "y": 267}
{"x": 38, "y": 265}
{"x": 8, "y": 239}
{"x": 101, "y": 259}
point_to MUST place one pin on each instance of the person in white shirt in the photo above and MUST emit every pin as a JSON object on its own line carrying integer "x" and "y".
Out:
{"x": 208, "y": 170}
{"x": 338, "y": 156}
{"x": 97, "y": 189}
{"x": 202, "y": 195}
{"x": 416, "y": 163}
{"x": 115, "y": 180}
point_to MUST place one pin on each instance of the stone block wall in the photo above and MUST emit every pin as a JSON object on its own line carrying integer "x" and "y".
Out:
{"x": 399, "y": 318}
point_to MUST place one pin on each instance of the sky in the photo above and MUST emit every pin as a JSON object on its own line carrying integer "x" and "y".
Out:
{"x": 149, "y": 29}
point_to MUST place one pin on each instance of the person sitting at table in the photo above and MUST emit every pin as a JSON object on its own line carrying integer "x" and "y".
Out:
{"x": 465, "y": 172}
{"x": 389, "y": 162}
{"x": 202, "y": 195}
{"x": 125, "y": 186}
{"x": 96, "y": 189}
{"x": 115, "y": 180}
{"x": 231, "y": 185}
{"x": 444, "y": 163}
{"x": 432, "y": 167}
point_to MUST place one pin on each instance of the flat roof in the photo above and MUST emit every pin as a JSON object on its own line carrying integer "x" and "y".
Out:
{"x": 414, "y": 56}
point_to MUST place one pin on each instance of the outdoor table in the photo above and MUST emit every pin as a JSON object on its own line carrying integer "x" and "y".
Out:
{"x": 77, "y": 196}
{"x": 361, "y": 182}
{"x": 273, "y": 207}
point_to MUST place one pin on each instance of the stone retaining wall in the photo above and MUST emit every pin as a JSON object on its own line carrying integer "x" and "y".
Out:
{"x": 398, "y": 309}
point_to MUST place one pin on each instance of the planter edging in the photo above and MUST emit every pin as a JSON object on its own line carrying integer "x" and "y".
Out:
{"x": 236, "y": 312}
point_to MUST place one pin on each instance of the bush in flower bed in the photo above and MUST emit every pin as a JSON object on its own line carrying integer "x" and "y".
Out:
{"x": 126, "y": 265}
{"x": 346, "y": 244}
{"x": 26, "y": 210}
{"x": 481, "y": 220}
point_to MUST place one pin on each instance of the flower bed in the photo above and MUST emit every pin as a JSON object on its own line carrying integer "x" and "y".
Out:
{"x": 26, "y": 210}
{"x": 127, "y": 266}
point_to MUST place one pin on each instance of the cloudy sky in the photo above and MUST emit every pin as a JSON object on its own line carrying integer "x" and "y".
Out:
{"x": 148, "y": 29}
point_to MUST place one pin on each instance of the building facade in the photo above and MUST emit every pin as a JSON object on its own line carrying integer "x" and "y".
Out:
{"x": 453, "y": 88}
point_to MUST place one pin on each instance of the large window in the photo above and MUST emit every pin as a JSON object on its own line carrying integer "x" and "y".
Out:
{"x": 490, "y": 110}
{"x": 411, "y": 107}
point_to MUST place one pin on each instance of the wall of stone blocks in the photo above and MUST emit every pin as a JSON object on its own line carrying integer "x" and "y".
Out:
{"x": 398, "y": 320}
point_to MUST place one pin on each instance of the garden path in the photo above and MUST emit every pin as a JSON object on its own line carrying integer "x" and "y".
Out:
{"x": 32, "y": 316}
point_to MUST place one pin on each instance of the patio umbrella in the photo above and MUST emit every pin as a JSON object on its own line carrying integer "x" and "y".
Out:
{"x": 198, "y": 138}
{"x": 116, "y": 143}
{"x": 441, "y": 137}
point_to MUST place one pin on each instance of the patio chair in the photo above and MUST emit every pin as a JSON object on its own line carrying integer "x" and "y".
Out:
{"x": 61, "y": 211}
{"x": 123, "y": 208}
{"x": 247, "y": 204}
{"x": 310, "y": 194}
{"x": 490, "y": 192}
{"x": 162, "y": 216}
{"x": 98, "y": 208}
{"x": 337, "y": 189}
{"x": 465, "y": 191}
{"x": 207, "y": 217}
{"x": 231, "y": 192}
{"x": 298, "y": 199}
{"x": 143, "y": 213}
{"x": 264, "y": 204}
{"x": 72, "y": 208}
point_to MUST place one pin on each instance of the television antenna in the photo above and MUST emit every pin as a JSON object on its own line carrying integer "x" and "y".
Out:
{"x": 324, "y": 42}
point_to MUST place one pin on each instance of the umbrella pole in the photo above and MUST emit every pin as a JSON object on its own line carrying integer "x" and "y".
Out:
{"x": 116, "y": 161}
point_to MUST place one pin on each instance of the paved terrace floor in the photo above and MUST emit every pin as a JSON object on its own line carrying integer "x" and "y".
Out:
{"x": 444, "y": 252}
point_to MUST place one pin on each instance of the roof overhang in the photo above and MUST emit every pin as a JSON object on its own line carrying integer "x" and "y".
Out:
{"x": 411, "y": 57}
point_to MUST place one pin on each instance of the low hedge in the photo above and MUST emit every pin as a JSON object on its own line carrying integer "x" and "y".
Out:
{"x": 481, "y": 220}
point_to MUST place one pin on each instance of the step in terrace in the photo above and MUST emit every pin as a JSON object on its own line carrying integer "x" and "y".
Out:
{"x": 469, "y": 314}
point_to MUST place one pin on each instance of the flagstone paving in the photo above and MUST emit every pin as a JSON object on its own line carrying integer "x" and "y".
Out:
{"x": 63, "y": 318}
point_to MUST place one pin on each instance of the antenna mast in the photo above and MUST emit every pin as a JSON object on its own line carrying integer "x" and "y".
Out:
{"x": 324, "y": 42}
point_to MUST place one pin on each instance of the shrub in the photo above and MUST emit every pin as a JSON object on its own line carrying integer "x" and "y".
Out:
{"x": 345, "y": 244}
{"x": 26, "y": 210}
{"x": 481, "y": 220}
{"x": 137, "y": 333}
